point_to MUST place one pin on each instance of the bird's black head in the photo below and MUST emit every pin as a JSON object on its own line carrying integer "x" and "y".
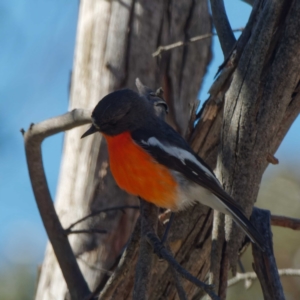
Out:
{"x": 120, "y": 111}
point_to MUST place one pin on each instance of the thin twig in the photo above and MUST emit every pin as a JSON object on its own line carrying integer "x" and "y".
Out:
{"x": 223, "y": 28}
{"x": 95, "y": 268}
{"x": 162, "y": 252}
{"x": 85, "y": 231}
{"x": 125, "y": 263}
{"x": 252, "y": 275}
{"x": 149, "y": 218}
{"x": 33, "y": 138}
{"x": 169, "y": 47}
{"x": 248, "y": 282}
{"x": 287, "y": 222}
{"x": 177, "y": 281}
{"x": 97, "y": 212}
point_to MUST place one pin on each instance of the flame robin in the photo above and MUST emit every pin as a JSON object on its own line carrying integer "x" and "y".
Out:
{"x": 148, "y": 158}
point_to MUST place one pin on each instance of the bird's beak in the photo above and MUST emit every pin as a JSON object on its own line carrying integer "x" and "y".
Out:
{"x": 91, "y": 130}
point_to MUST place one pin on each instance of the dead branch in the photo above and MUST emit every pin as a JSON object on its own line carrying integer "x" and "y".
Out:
{"x": 265, "y": 263}
{"x": 197, "y": 38}
{"x": 97, "y": 212}
{"x": 225, "y": 33}
{"x": 240, "y": 167}
{"x": 212, "y": 108}
{"x": 125, "y": 264}
{"x": 286, "y": 222}
{"x": 108, "y": 272}
{"x": 149, "y": 218}
{"x": 90, "y": 230}
{"x": 33, "y": 138}
{"x": 180, "y": 290}
{"x": 252, "y": 276}
{"x": 162, "y": 252}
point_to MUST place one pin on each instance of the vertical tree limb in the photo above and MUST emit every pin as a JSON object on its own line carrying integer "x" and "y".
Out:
{"x": 256, "y": 104}
{"x": 125, "y": 264}
{"x": 265, "y": 263}
{"x": 149, "y": 218}
{"x": 223, "y": 28}
{"x": 33, "y": 138}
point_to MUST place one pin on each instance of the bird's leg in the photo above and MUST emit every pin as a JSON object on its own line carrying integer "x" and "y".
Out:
{"x": 165, "y": 236}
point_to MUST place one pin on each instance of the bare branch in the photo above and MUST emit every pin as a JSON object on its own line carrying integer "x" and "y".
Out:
{"x": 250, "y": 2}
{"x": 225, "y": 33}
{"x": 97, "y": 212}
{"x": 240, "y": 168}
{"x": 91, "y": 230}
{"x": 162, "y": 252}
{"x": 197, "y": 38}
{"x": 33, "y": 138}
{"x": 149, "y": 218}
{"x": 93, "y": 267}
{"x": 287, "y": 222}
{"x": 67, "y": 121}
{"x": 180, "y": 290}
{"x": 265, "y": 263}
{"x": 252, "y": 275}
{"x": 124, "y": 265}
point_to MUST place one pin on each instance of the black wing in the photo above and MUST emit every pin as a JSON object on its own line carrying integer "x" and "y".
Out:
{"x": 168, "y": 148}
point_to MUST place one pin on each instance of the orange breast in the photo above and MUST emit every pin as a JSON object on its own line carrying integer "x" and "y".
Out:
{"x": 136, "y": 172}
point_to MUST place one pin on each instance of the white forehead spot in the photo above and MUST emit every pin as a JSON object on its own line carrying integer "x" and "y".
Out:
{"x": 94, "y": 122}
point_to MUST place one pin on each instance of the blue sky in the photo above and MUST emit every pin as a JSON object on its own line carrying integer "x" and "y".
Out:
{"x": 37, "y": 44}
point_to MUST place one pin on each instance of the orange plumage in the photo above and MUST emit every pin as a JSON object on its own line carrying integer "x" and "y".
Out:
{"x": 138, "y": 173}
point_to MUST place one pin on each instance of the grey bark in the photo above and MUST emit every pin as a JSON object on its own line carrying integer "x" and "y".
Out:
{"x": 33, "y": 139}
{"x": 262, "y": 89}
{"x": 264, "y": 85}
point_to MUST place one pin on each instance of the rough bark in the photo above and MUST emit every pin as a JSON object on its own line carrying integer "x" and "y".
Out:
{"x": 264, "y": 86}
{"x": 259, "y": 96}
{"x": 115, "y": 42}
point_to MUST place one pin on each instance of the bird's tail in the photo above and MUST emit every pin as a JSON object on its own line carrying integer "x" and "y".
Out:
{"x": 238, "y": 216}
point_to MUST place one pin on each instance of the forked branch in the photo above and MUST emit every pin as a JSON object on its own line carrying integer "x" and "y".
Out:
{"x": 33, "y": 138}
{"x": 252, "y": 276}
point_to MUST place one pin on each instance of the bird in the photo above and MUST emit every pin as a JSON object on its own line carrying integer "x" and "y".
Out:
{"x": 149, "y": 159}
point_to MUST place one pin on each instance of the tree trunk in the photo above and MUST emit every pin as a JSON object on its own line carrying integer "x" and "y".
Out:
{"x": 115, "y": 42}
